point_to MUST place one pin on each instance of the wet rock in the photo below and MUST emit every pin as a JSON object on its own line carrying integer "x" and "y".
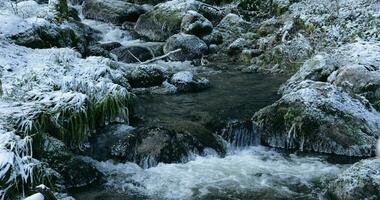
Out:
{"x": 115, "y": 11}
{"x": 110, "y": 45}
{"x": 146, "y": 76}
{"x": 320, "y": 117}
{"x": 195, "y": 24}
{"x": 191, "y": 47}
{"x": 166, "y": 18}
{"x": 73, "y": 169}
{"x": 149, "y": 146}
{"x": 360, "y": 181}
{"x": 133, "y": 54}
{"x": 186, "y": 82}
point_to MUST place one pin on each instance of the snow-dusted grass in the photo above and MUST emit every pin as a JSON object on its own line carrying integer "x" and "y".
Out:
{"x": 53, "y": 91}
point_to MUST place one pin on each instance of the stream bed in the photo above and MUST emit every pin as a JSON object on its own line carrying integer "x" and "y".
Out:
{"x": 254, "y": 172}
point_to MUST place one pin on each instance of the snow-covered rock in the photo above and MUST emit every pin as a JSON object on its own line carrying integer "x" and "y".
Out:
{"x": 185, "y": 81}
{"x": 166, "y": 18}
{"x": 354, "y": 67}
{"x": 320, "y": 117}
{"x": 360, "y": 181}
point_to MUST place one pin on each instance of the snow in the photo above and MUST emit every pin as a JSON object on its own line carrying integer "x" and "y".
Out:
{"x": 185, "y": 76}
{"x": 37, "y": 196}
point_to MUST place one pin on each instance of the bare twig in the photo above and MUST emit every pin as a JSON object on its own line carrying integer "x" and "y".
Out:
{"x": 161, "y": 57}
{"x": 134, "y": 56}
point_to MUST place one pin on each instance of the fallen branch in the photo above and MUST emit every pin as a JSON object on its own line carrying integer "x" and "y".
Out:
{"x": 134, "y": 56}
{"x": 161, "y": 57}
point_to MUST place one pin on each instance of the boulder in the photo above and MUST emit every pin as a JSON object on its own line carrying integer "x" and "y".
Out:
{"x": 115, "y": 11}
{"x": 145, "y": 76}
{"x": 354, "y": 67}
{"x": 196, "y": 24}
{"x": 75, "y": 171}
{"x": 150, "y": 146}
{"x": 360, "y": 181}
{"x": 166, "y": 18}
{"x": 186, "y": 82}
{"x": 73, "y": 34}
{"x": 215, "y": 37}
{"x": 320, "y": 117}
{"x": 191, "y": 47}
{"x": 237, "y": 46}
{"x": 133, "y": 54}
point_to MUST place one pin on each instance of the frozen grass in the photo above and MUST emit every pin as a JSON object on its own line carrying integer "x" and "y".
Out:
{"x": 57, "y": 92}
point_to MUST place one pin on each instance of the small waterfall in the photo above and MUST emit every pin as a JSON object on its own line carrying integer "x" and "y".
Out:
{"x": 241, "y": 134}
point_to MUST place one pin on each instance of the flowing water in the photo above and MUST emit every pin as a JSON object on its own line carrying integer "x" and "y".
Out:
{"x": 253, "y": 172}
{"x": 249, "y": 172}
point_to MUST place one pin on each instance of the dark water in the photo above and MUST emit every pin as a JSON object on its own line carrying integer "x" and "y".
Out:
{"x": 233, "y": 95}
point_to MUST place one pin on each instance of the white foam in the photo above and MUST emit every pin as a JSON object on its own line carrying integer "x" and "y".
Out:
{"x": 253, "y": 170}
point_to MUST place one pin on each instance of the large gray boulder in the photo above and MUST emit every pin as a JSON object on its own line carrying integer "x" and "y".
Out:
{"x": 320, "y": 117}
{"x": 166, "y": 18}
{"x": 354, "y": 67}
{"x": 191, "y": 47}
{"x": 115, "y": 11}
{"x": 360, "y": 181}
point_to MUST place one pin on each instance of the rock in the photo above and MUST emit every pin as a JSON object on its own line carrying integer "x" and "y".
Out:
{"x": 149, "y": 146}
{"x": 360, "y": 181}
{"x": 232, "y": 26}
{"x": 74, "y": 170}
{"x": 151, "y": 2}
{"x": 195, "y": 24}
{"x": 238, "y": 45}
{"x": 146, "y": 76}
{"x": 191, "y": 47}
{"x": 133, "y": 54}
{"x": 115, "y": 11}
{"x": 320, "y": 117}
{"x": 286, "y": 57}
{"x": 186, "y": 82}
{"x": 216, "y": 37}
{"x": 317, "y": 68}
{"x": 248, "y": 54}
{"x": 73, "y": 34}
{"x": 166, "y": 18}
{"x": 353, "y": 67}
{"x": 110, "y": 45}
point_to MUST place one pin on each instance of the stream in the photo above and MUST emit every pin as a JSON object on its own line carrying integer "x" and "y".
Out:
{"x": 254, "y": 172}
